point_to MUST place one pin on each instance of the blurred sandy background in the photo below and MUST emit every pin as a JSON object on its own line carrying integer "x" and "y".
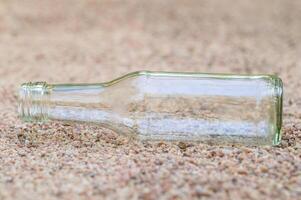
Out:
{"x": 94, "y": 41}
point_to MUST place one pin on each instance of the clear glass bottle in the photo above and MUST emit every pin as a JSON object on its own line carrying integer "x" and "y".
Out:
{"x": 212, "y": 108}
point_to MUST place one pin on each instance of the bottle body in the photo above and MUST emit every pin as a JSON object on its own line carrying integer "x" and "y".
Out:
{"x": 168, "y": 106}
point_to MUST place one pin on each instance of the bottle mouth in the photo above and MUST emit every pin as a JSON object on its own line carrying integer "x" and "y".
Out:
{"x": 33, "y": 100}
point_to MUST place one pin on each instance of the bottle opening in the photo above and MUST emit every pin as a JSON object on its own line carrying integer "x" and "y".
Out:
{"x": 33, "y": 99}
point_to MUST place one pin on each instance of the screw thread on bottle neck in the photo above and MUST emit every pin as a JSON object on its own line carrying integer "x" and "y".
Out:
{"x": 33, "y": 101}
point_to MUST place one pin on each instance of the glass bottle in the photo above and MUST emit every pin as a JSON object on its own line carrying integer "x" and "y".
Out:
{"x": 211, "y": 108}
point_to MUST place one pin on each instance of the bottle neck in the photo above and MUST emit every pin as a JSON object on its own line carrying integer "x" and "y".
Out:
{"x": 40, "y": 101}
{"x": 33, "y": 99}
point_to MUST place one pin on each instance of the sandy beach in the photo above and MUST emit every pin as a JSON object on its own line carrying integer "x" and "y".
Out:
{"x": 75, "y": 41}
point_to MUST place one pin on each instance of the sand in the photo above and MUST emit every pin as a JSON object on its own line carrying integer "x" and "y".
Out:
{"x": 94, "y": 41}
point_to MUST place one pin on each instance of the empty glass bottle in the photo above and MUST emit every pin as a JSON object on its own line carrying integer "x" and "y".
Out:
{"x": 212, "y": 108}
